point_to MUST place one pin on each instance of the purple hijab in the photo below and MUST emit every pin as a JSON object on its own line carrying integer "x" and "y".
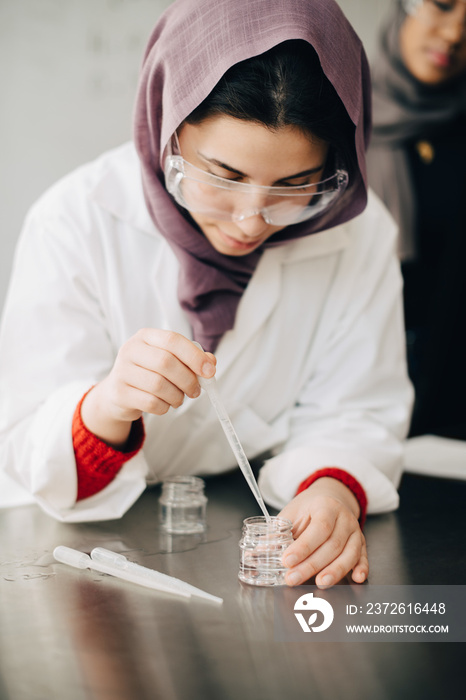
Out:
{"x": 193, "y": 44}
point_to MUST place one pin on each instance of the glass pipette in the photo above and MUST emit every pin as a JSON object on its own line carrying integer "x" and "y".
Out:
{"x": 210, "y": 386}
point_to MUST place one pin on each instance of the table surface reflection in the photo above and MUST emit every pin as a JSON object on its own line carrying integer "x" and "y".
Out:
{"x": 73, "y": 635}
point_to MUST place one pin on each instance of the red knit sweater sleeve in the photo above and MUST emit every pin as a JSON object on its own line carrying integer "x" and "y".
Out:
{"x": 346, "y": 479}
{"x": 97, "y": 463}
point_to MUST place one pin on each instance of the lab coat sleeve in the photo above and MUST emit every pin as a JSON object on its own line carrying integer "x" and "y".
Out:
{"x": 55, "y": 344}
{"x": 354, "y": 409}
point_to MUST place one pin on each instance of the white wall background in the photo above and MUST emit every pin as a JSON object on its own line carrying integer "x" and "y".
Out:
{"x": 68, "y": 73}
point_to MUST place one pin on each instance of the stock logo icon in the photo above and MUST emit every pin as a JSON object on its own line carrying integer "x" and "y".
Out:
{"x": 312, "y": 605}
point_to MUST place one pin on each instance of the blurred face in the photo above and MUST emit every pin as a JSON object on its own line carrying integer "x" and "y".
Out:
{"x": 433, "y": 41}
{"x": 250, "y": 153}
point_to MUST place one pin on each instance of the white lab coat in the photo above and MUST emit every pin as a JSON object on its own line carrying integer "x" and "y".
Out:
{"x": 313, "y": 370}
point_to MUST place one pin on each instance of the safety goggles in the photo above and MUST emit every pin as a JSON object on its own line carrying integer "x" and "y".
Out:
{"x": 436, "y": 13}
{"x": 201, "y": 192}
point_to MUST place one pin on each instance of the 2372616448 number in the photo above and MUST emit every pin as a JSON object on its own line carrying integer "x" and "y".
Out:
{"x": 405, "y": 608}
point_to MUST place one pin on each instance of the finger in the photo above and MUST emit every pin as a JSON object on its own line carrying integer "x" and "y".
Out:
{"x": 291, "y": 511}
{"x": 297, "y": 511}
{"x": 319, "y": 558}
{"x": 344, "y": 563}
{"x": 361, "y": 570}
{"x": 317, "y": 532}
{"x": 212, "y": 358}
{"x": 154, "y": 384}
{"x": 299, "y": 522}
{"x": 156, "y": 364}
{"x": 143, "y": 401}
{"x": 199, "y": 362}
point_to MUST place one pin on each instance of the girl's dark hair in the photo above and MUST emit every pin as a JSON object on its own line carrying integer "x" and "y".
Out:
{"x": 285, "y": 86}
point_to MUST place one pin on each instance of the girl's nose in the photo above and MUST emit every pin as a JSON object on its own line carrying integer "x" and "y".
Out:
{"x": 453, "y": 29}
{"x": 253, "y": 226}
{"x": 249, "y": 217}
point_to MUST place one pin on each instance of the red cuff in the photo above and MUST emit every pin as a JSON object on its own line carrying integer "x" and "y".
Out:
{"x": 346, "y": 479}
{"x": 97, "y": 463}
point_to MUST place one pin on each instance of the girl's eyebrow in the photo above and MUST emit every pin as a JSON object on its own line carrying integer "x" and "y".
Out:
{"x": 224, "y": 166}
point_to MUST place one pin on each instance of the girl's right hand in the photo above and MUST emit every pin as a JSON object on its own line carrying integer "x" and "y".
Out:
{"x": 155, "y": 369}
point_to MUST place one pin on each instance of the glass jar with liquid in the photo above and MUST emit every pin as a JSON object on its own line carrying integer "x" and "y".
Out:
{"x": 261, "y": 549}
{"x": 183, "y": 505}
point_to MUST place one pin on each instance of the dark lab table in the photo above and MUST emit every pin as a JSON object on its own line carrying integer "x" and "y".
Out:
{"x": 68, "y": 634}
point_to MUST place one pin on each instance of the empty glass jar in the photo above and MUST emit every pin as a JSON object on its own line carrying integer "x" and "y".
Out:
{"x": 261, "y": 549}
{"x": 183, "y": 505}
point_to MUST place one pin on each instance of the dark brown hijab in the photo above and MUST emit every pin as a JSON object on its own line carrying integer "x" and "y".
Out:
{"x": 194, "y": 43}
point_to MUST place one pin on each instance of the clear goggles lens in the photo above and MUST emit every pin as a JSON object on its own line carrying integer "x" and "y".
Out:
{"x": 435, "y": 13}
{"x": 203, "y": 193}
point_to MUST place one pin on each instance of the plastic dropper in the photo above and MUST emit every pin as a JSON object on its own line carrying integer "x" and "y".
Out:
{"x": 210, "y": 386}
{"x": 120, "y": 563}
{"x": 143, "y": 577}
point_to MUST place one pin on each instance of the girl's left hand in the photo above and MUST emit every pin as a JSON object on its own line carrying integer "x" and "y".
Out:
{"x": 328, "y": 540}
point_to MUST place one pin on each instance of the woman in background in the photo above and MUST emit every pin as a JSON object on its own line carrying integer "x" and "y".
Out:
{"x": 238, "y": 218}
{"x": 416, "y": 163}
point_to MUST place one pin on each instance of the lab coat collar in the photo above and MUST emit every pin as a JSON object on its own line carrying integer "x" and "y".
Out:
{"x": 119, "y": 189}
{"x": 264, "y": 289}
{"x": 316, "y": 245}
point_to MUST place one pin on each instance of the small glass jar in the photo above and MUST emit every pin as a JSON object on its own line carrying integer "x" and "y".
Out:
{"x": 183, "y": 505}
{"x": 261, "y": 549}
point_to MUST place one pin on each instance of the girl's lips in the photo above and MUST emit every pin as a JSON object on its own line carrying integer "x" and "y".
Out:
{"x": 440, "y": 58}
{"x": 239, "y": 245}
